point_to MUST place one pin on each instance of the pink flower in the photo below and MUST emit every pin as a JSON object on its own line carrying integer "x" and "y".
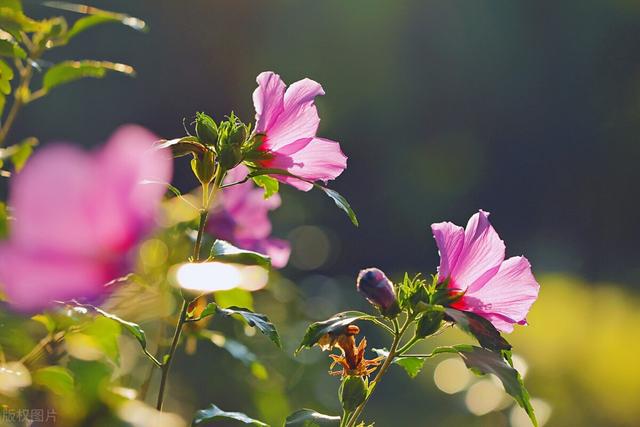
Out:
{"x": 240, "y": 216}
{"x": 77, "y": 215}
{"x": 472, "y": 259}
{"x": 289, "y": 119}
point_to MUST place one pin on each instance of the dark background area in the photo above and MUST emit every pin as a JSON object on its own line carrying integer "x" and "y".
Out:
{"x": 529, "y": 110}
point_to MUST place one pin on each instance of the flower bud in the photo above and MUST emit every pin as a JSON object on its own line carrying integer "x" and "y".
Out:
{"x": 353, "y": 392}
{"x": 206, "y": 129}
{"x": 374, "y": 285}
{"x": 429, "y": 323}
{"x": 203, "y": 166}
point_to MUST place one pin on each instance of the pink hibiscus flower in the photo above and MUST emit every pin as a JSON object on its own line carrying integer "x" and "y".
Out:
{"x": 289, "y": 119}
{"x": 472, "y": 260}
{"x": 77, "y": 215}
{"x": 240, "y": 216}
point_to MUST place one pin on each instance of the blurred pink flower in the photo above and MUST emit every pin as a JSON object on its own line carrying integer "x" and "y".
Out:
{"x": 289, "y": 119}
{"x": 502, "y": 291}
{"x": 77, "y": 215}
{"x": 240, "y": 216}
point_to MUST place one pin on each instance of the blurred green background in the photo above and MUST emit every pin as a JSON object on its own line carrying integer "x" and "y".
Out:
{"x": 529, "y": 110}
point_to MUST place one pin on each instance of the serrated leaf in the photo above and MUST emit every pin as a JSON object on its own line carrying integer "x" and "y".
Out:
{"x": 480, "y": 328}
{"x": 133, "y": 328}
{"x": 224, "y": 251}
{"x": 69, "y": 71}
{"x": 338, "y": 199}
{"x": 11, "y": 49}
{"x": 482, "y": 361}
{"x": 311, "y": 418}
{"x": 341, "y": 202}
{"x": 411, "y": 364}
{"x": 214, "y": 413}
{"x": 269, "y": 184}
{"x": 56, "y": 378}
{"x": 333, "y": 325}
{"x": 256, "y": 320}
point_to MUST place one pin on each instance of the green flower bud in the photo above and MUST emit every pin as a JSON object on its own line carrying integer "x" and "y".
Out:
{"x": 204, "y": 166}
{"x": 206, "y": 129}
{"x": 237, "y": 135}
{"x": 430, "y": 322}
{"x": 353, "y": 392}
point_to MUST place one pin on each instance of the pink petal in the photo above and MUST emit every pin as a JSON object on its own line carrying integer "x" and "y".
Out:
{"x": 481, "y": 255}
{"x": 130, "y": 159}
{"x": 319, "y": 160}
{"x": 34, "y": 281}
{"x": 241, "y": 211}
{"x": 449, "y": 238}
{"x": 268, "y": 100}
{"x": 56, "y": 201}
{"x": 507, "y": 296}
{"x": 299, "y": 119}
{"x": 277, "y": 249}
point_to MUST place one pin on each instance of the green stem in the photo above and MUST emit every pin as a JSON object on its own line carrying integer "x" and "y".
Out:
{"x": 182, "y": 319}
{"x": 408, "y": 345}
{"x": 166, "y": 364}
{"x": 26, "y": 73}
{"x": 399, "y": 332}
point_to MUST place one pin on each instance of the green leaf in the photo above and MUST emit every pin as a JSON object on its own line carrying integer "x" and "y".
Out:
{"x": 11, "y": 49}
{"x": 234, "y": 297}
{"x": 56, "y": 378}
{"x": 238, "y": 351}
{"x": 259, "y": 321}
{"x": 411, "y": 364}
{"x": 6, "y": 75}
{"x": 225, "y": 252}
{"x": 183, "y": 146}
{"x": 333, "y": 325}
{"x": 69, "y": 71}
{"x": 214, "y": 413}
{"x": 133, "y": 328}
{"x": 311, "y": 418}
{"x": 480, "y": 328}
{"x": 256, "y": 320}
{"x": 481, "y": 362}
{"x": 12, "y": 4}
{"x": 95, "y": 17}
{"x": 4, "y": 221}
{"x": 13, "y": 20}
{"x": 341, "y": 202}
{"x": 22, "y": 153}
{"x": 270, "y": 185}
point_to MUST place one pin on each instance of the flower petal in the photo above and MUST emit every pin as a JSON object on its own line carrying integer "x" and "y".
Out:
{"x": 507, "y": 297}
{"x": 481, "y": 254}
{"x": 319, "y": 160}
{"x": 34, "y": 281}
{"x": 268, "y": 100}
{"x": 449, "y": 238}
{"x": 56, "y": 202}
{"x": 299, "y": 119}
{"x": 128, "y": 160}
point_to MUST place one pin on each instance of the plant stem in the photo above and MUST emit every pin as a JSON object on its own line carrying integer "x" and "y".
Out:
{"x": 399, "y": 332}
{"x": 26, "y": 73}
{"x": 182, "y": 319}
